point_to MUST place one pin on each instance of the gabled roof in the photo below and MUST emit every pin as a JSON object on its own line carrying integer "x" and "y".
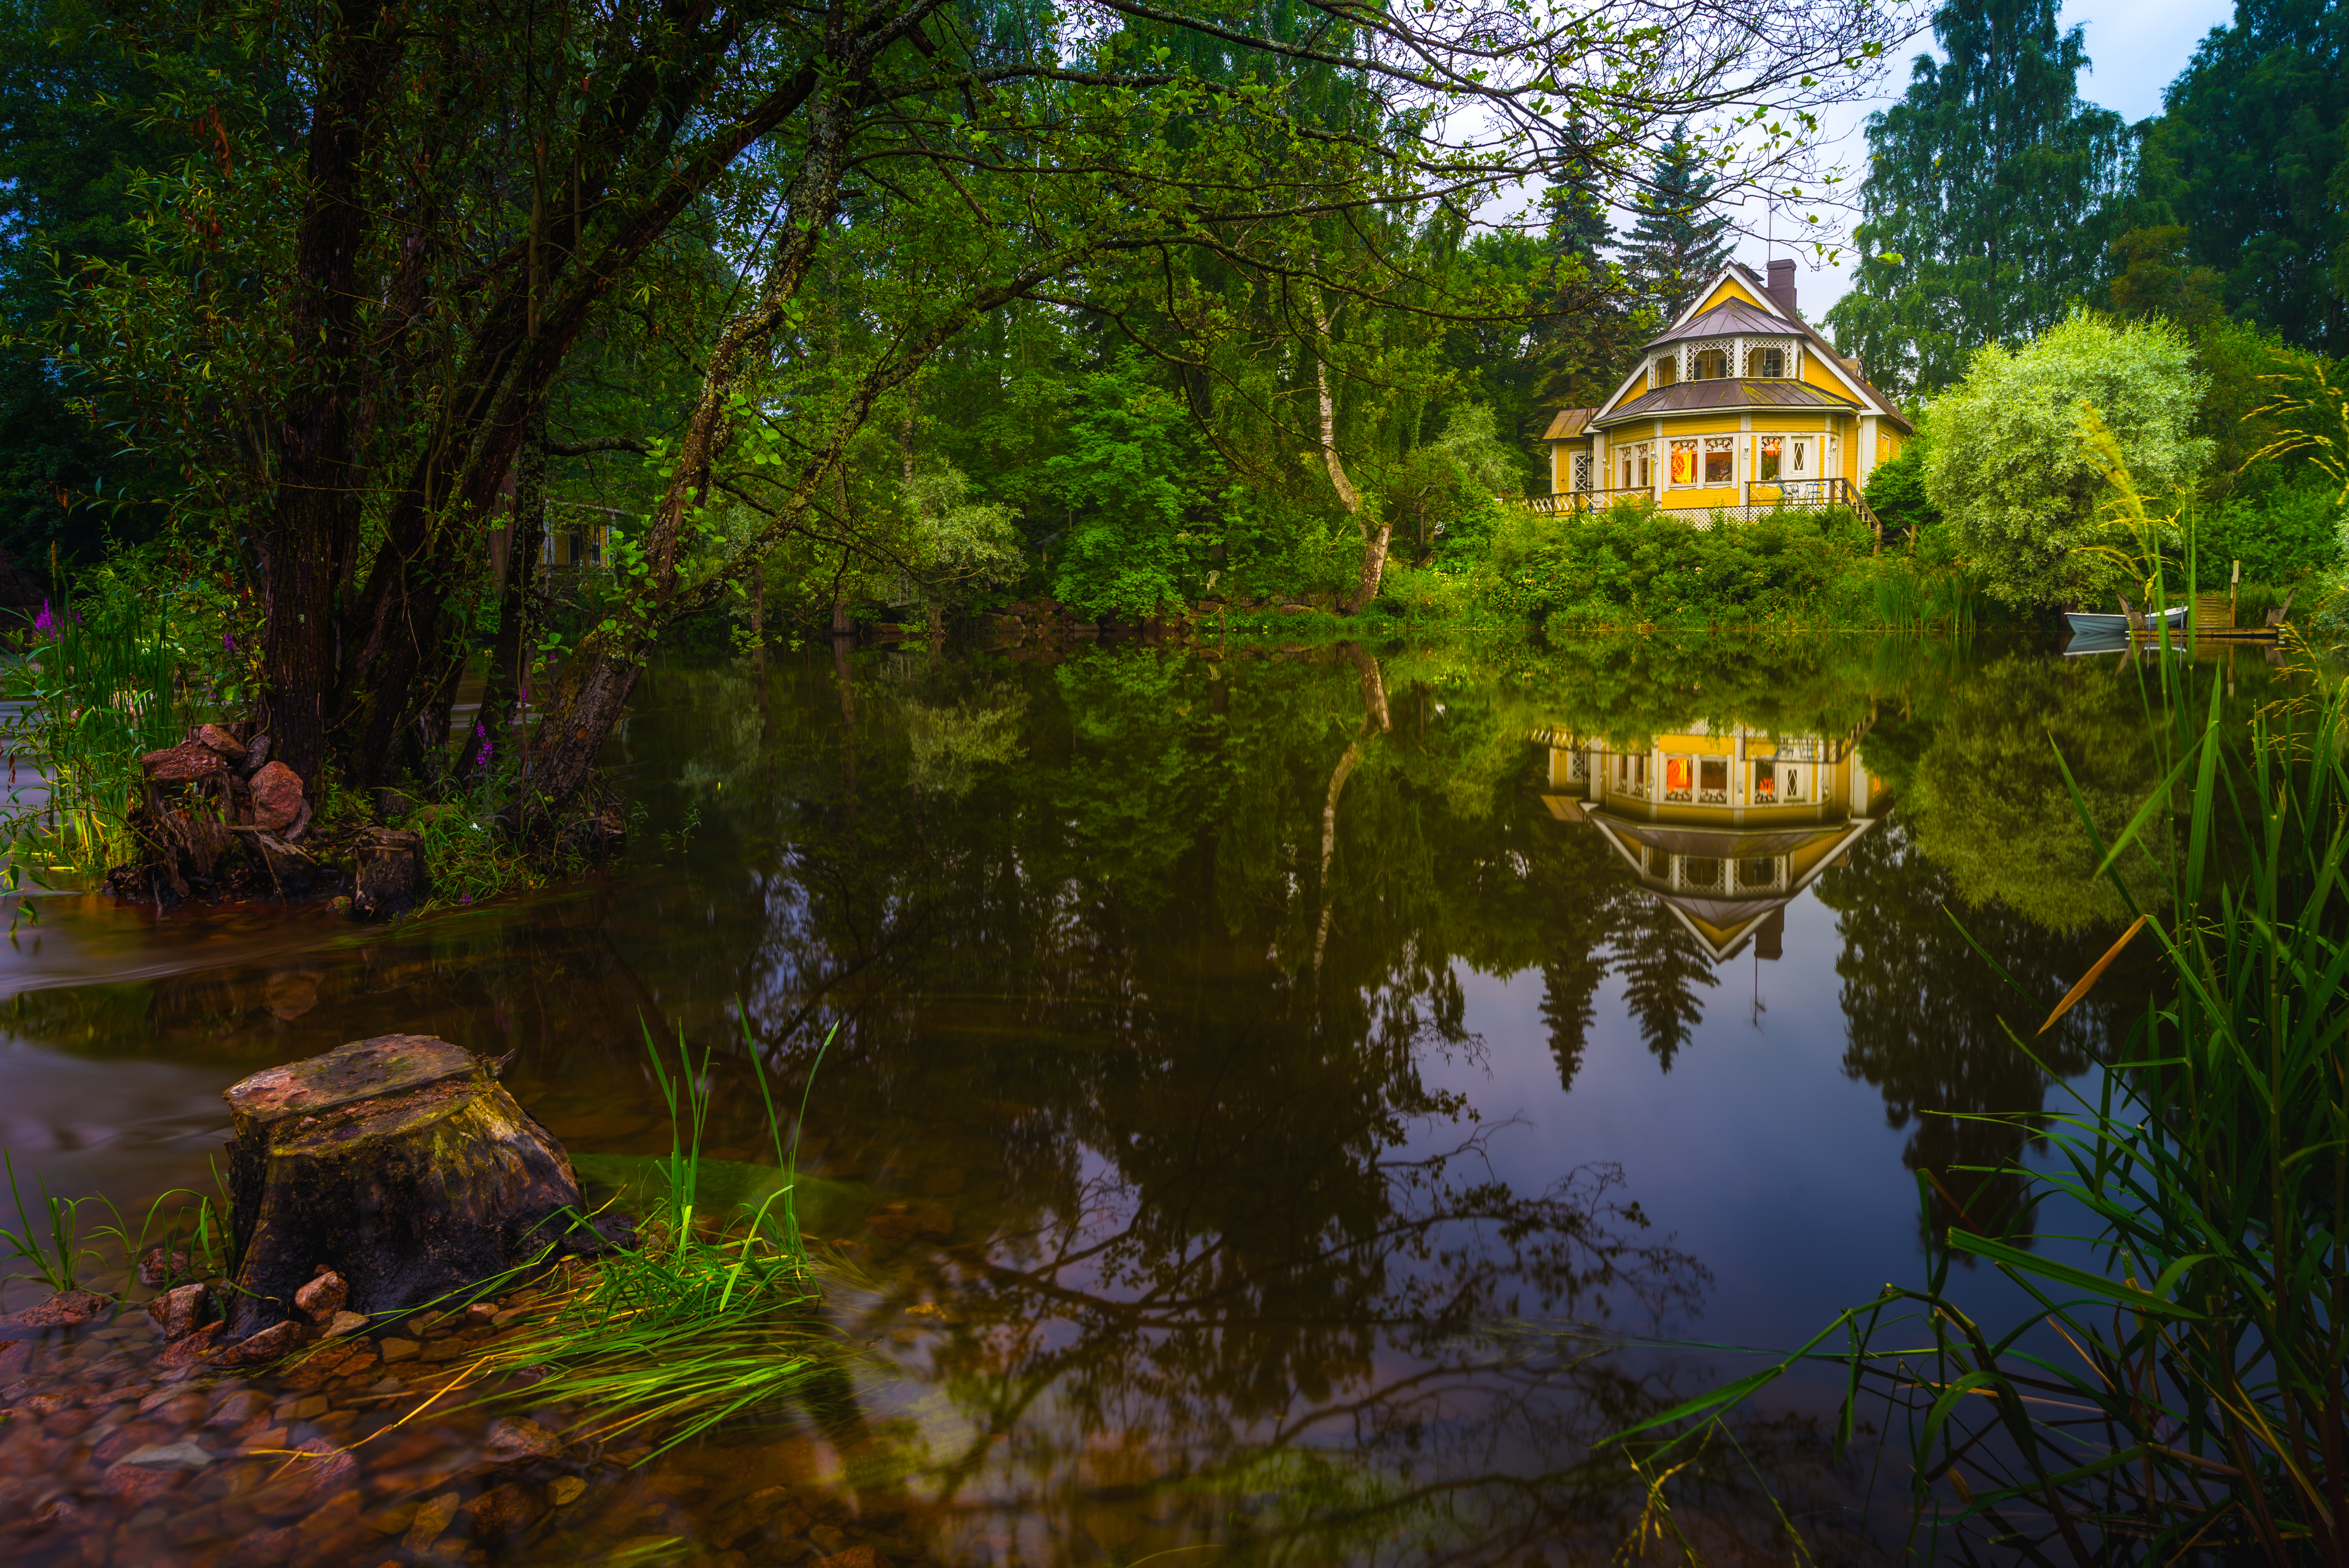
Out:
{"x": 1684, "y": 395}
{"x": 1730, "y": 316}
{"x": 1568, "y": 423}
{"x": 1736, "y": 315}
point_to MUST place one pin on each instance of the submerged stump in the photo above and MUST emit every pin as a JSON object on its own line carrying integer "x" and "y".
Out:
{"x": 401, "y": 1164}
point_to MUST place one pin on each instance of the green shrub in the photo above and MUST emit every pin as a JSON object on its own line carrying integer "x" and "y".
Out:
{"x": 2285, "y": 532}
{"x": 1636, "y": 561}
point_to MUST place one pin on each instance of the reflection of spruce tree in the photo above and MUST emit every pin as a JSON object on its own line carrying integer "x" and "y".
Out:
{"x": 1590, "y": 892}
{"x": 1923, "y": 1015}
{"x": 1661, "y": 966}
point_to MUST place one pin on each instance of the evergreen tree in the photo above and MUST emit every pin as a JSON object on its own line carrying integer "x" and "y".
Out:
{"x": 2248, "y": 158}
{"x": 1993, "y": 194}
{"x": 1592, "y": 321}
{"x": 1675, "y": 246}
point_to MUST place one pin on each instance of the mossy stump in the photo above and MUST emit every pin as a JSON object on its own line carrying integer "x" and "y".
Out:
{"x": 400, "y": 1163}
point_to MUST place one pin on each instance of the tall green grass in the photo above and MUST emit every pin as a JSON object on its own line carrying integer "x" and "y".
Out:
{"x": 2183, "y": 1395}
{"x": 707, "y": 1318}
{"x": 97, "y": 686}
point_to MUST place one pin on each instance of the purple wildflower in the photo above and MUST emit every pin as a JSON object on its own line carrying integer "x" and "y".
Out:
{"x": 228, "y": 642}
{"x": 45, "y": 622}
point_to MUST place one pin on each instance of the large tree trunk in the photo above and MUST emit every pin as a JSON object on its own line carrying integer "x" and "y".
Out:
{"x": 401, "y": 1165}
{"x": 313, "y": 520}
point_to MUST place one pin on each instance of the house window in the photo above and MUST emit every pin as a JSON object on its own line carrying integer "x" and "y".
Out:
{"x": 1719, "y": 455}
{"x": 1772, "y": 449}
{"x": 1711, "y": 365}
{"x": 1767, "y": 363}
{"x": 1798, "y": 458}
{"x": 1582, "y": 470}
{"x": 1679, "y": 777}
{"x": 1683, "y": 462}
{"x": 1765, "y": 783}
{"x": 1712, "y": 781}
{"x": 1668, "y": 370}
{"x": 1758, "y": 874}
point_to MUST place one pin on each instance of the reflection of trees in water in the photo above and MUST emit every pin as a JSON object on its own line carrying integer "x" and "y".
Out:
{"x": 1923, "y": 1013}
{"x": 1232, "y": 1232}
{"x": 1604, "y": 923}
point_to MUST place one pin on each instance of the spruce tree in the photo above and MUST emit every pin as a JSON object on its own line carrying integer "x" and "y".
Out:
{"x": 1993, "y": 194}
{"x": 1590, "y": 322}
{"x": 1676, "y": 245}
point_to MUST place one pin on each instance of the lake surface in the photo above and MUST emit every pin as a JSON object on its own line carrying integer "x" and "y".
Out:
{"x": 1285, "y": 1103}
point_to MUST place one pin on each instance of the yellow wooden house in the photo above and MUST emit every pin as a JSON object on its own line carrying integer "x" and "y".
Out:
{"x": 1738, "y": 405}
{"x": 1726, "y": 826}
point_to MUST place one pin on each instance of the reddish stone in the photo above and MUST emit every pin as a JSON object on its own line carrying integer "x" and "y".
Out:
{"x": 515, "y": 1438}
{"x": 65, "y": 1307}
{"x": 855, "y": 1557}
{"x": 182, "y": 764}
{"x": 178, "y": 1312}
{"x": 135, "y": 1486}
{"x": 191, "y": 1348}
{"x": 505, "y": 1510}
{"x": 15, "y": 1355}
{"x": 277, "y": 798}
{"x": 129, "y": 1439}
{"x": 266, "y": 1345}
{"x": 323, "y": 1296}
{"x": 213, "y": 738}
{"x": 160, "y": 1267}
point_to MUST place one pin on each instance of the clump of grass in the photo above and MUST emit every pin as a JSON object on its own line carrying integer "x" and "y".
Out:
{"x": 49, "y": 1235}
{"x": 707, "y": 1317}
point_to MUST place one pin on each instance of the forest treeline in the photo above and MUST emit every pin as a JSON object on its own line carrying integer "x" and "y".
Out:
{"x": 810, "y": 316}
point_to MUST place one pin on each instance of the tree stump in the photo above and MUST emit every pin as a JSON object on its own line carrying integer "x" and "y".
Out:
{"x": 401, "y": 1164}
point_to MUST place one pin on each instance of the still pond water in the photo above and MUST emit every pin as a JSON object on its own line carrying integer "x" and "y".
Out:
{"x": 1288, "y": 1104}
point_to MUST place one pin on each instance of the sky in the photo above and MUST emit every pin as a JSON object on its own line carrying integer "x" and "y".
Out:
{"x": 2137, "y": 47}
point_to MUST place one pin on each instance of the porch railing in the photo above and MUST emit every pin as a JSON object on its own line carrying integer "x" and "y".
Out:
{"x": 1584, "y": 501}
{"x": 1762, "y": 494}
{"x": 1762, "y": 497}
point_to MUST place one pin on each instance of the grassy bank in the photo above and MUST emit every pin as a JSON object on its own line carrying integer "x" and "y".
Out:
{"x": 1635, "y": 564}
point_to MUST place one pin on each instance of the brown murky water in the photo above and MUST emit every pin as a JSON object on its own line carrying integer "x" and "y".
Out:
{"x": 1284, "y": 1109}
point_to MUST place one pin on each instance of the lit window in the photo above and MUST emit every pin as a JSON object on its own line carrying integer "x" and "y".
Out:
{"x": 1683, "y": 462}
{"x": 1768, "y": 363}
{"x": 1772, "y": 447}
{"x": 1713, "y": 365}
{"x": 1765, "y": 783}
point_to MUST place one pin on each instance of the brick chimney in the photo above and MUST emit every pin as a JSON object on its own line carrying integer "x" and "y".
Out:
{"x": 1781, "y": 286}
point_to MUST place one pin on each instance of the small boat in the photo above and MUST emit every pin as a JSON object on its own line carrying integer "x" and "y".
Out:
{"x": 2114, "y": 628}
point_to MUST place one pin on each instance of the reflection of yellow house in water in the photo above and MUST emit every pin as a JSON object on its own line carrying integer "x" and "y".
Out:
{"x": 1725, "y": 826}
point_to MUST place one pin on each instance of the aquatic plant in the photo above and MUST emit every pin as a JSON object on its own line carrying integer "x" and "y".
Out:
{"x": 2191, "y": 1391}
{"x": 706, "y": 1317}
{"x": 51, "y": 1242}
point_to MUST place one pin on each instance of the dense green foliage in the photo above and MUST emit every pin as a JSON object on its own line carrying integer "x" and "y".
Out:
{"x": 2248, "y": 157}
{"x": 1989, "y": 198}
{"x": 2006, "y": 466}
